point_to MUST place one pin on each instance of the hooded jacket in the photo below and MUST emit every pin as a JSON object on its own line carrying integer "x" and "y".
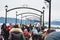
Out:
{"x": 16, "y": 34}
{"x": 15, "y": 30}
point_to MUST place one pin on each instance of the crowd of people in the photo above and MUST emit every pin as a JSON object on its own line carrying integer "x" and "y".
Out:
{"x": 22, "y": 32}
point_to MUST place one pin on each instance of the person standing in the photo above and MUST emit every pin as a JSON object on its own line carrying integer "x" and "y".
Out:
{"x": 3, "y": 31}
{"x": 16, "y": 33}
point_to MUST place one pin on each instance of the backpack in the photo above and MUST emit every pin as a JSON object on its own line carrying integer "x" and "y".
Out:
{"x": 34, "y": 31}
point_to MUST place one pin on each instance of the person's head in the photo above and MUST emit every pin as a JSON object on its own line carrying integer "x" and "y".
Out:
{"x": 16, "y": 26}
{"x": 31, "y": 25}
{"x": 27, "y": 25}
{"x": 25, "y": 30}
{"x": 8, "y": 28}
{"x": 3, "y": 24}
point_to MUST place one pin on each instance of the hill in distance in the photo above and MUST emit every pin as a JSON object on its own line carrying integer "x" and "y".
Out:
{"x": 13, "y": 20}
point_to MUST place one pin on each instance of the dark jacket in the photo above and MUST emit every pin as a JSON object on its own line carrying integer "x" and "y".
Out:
{"x": 3, "y": 31}
{"x": 16, "y": 36}
{"x": 53, "y": 36}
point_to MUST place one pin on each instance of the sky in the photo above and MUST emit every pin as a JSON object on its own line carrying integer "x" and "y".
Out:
{"x": 37, "y": 4}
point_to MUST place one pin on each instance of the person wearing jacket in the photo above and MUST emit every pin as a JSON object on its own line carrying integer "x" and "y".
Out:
{"x": 26, "y": 34}
{"x": 3, "y": 31}
{"x": 7, "y": 31}
{"x": 16, "y": 34}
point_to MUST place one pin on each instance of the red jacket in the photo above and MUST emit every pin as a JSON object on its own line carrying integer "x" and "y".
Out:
{"x": 8, "y": 28}
{"x": 25, "y": 32}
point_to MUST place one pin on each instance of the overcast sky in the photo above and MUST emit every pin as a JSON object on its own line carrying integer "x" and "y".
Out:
{"x": 38, "y": 4}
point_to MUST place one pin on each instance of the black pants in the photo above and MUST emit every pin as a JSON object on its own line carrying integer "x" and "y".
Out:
{"x": 6, "y": 36}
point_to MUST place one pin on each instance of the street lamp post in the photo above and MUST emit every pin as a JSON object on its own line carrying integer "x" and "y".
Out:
{"x": 43, "y": 15}
{"x": 49, "y": 1}
{"x": 21, "y": 20}
{"x": 41, "y": 20}
{"x": 16, "y": 17}
{"x": 6, "y": 14}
